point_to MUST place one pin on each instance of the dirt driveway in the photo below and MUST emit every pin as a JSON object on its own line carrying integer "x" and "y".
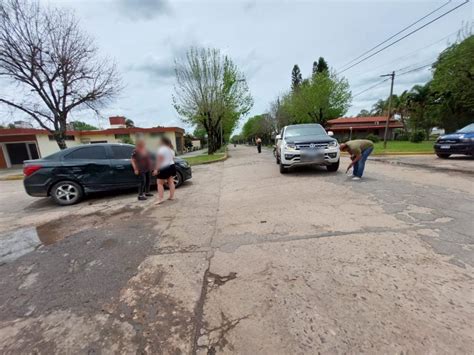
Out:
{"x": 249, "y": 261}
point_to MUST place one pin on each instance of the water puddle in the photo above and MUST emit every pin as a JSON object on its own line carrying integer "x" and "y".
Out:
{"x": 17, "y": 243}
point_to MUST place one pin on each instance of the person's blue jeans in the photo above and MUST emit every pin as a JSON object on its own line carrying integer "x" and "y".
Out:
{"x": 360, "y": 165}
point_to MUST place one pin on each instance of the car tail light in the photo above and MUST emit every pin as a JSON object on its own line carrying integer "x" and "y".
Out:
{"x": 30, "y": 169}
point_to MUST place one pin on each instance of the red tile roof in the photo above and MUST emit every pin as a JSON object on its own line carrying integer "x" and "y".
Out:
{"x": 359, "y": 119}
{"x": 18, "y": 131}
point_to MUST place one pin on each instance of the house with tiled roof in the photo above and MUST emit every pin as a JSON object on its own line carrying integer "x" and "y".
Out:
{"x": 23, "y": 143}
{"x": 359, "y": 127}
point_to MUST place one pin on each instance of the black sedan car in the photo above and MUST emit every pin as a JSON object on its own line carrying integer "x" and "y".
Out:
{"x": 460, "y": 142}
{"x": 68, "y": 175}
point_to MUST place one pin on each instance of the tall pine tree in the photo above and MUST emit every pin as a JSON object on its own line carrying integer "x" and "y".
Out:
{"x": 296, "y": 77}
{"x": 322, "y": 66}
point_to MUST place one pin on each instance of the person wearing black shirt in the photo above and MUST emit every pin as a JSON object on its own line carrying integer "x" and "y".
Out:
{"x": 141, "y": 163}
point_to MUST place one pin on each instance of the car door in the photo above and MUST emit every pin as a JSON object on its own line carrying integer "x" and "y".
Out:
{"x": 90, "y": 166}
{"x": 121, "y": 164}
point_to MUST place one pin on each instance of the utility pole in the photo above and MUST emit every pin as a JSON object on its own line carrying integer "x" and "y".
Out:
{"x": 385, "y": 136}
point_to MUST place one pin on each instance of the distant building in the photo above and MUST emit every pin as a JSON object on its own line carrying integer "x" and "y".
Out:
{"x": 19, "y": 144}
{"x": 22, "y": 124}
{"x": 360, "y": 127}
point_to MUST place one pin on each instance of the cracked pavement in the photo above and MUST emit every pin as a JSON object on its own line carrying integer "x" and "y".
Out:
{"x": 249, "y": 261}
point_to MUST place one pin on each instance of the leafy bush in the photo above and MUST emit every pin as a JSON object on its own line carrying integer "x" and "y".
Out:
{"x": 417, "y": 136}
{"x": 373, "y": 138}
{"x": 402, "y": 137}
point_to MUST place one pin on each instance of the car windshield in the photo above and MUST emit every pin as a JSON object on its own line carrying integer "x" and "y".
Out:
{"x": 304, "y": 130}
{"x": 467, "y": 129}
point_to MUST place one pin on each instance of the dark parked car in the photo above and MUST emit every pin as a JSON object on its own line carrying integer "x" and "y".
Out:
{"x": 68, "y": 175}
{"x": 460, "y": 142}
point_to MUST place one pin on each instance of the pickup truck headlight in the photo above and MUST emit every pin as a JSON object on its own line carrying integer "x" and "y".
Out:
{"x": 332, "y": 144}
{"x": 290, "y": 146}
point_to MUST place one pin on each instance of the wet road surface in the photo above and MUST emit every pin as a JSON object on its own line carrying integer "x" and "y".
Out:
{"x": 248, "y": 261}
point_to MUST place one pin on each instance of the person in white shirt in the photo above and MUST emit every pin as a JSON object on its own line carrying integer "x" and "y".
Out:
{"x": 165, "y": 168}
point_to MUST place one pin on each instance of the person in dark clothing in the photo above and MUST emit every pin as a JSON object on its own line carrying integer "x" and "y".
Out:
{"x": 141, "y": 163}
{"x": 259, "y": 144}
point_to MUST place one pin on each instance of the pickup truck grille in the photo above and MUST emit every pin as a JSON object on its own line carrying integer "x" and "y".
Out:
{"x": 311, "y": 146}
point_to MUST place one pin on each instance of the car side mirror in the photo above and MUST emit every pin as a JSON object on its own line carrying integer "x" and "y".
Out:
{"x": 278, "y": 136}
{"x": 330, "y": 133}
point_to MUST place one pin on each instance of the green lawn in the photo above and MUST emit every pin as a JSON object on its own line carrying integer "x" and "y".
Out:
{"x": 404, "y": 147}
{"x": 203, "y": 159}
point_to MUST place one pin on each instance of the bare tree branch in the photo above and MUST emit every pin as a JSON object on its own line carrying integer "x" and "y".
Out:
{"x": 54, "y": 63}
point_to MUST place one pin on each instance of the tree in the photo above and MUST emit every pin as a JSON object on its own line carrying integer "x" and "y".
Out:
{"x": 53, "y": 64}
{"x": 258, "y": 126}
{"x": 210, "y": 92}
{"x": 421, "y": 115}
{"x": 453, "y": 85}
{"x": 129, "y": 123}
{"x": 322, "y": 66}
{"x": 82, "y": 126}
{"x": 363, "y": 113}
{"x": 379, "y": 108}
{"x": 320, "y": 98}
{"x": 296, "y": 77}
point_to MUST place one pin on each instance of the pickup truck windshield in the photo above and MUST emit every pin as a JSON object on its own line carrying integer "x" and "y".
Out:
{"x": 304, "y": 130}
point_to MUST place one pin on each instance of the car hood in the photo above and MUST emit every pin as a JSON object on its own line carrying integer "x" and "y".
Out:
{"x": 319, "y": 138}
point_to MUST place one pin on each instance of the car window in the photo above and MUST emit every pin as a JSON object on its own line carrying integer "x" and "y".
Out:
{"x": 304, "y": 130}
{"x": 93, "y": 152}
{"x": 122, "y": 152}
{"x": 467, "y": 129}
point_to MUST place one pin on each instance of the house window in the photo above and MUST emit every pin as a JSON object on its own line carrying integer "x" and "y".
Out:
{"x": 122, "y": 136}
{"x": 68, "y": 138}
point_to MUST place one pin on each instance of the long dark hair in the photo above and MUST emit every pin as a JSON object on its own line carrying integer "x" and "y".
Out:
{"x": 166, "y": 141}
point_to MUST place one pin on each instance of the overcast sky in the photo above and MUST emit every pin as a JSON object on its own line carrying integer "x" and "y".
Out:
{"x": 264, "y": 38}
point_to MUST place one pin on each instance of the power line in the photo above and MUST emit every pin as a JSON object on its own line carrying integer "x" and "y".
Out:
{"x": 370, "y": 88}
{"x": 416, "y": 51}
{"x": 416, "y": 69}
{"x": 408, "y": 34}
{"x": 396, "y": 34}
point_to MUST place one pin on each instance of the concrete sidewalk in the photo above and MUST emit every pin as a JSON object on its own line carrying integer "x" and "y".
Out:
{"x": 11, "y": 174}
{"x": 459, "y": 164}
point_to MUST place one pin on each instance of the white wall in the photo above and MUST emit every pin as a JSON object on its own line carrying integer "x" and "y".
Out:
{"x": 47, "y": 147}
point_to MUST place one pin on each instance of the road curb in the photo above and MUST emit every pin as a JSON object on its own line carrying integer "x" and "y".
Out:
{"x": 226, "y": 155}
{"x": 423, "y": 166}
{"x": 11, "y": 177}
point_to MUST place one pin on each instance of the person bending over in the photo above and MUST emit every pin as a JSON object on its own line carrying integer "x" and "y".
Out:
{"x": 359, "y": 149}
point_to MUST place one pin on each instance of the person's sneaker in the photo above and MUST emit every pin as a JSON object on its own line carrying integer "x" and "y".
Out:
{"x": 350, "y": 175}
{"x": 142, "y": 198}
{"x": 148, "y": 194}
{"x": 356, "y": 178}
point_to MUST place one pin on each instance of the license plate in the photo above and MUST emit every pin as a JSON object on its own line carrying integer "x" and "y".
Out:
{"x": 312, "y": 155}
{"x": 445, "y": 146}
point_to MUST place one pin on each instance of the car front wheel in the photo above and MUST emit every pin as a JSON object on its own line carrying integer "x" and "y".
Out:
{"x": 283, "y": 170}
{"x": 333, "y": 166}
{"x": 66, "y": 193}
{"x": 443, "y": 156}
{"x": 178, "y": 179}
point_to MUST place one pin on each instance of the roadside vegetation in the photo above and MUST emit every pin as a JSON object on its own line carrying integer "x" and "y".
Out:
{"x": 205, "y": 158}
{"x": 404, "y": 147}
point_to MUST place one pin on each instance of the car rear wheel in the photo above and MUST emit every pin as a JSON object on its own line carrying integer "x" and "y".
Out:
{"x": 443, "y": 156}
{"x": 333, "y": 166}
{"x": 66, "y": 193}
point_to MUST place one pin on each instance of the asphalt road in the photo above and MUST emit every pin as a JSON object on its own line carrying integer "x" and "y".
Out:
{"x": 247, "y": 261}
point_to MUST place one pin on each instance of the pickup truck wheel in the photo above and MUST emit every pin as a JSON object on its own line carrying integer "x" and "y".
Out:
{"x": 283, "y": 170}
{"x": 443, "y": 156}
{"x": 333, "y": 166}
{"x": 66, "y": 193}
